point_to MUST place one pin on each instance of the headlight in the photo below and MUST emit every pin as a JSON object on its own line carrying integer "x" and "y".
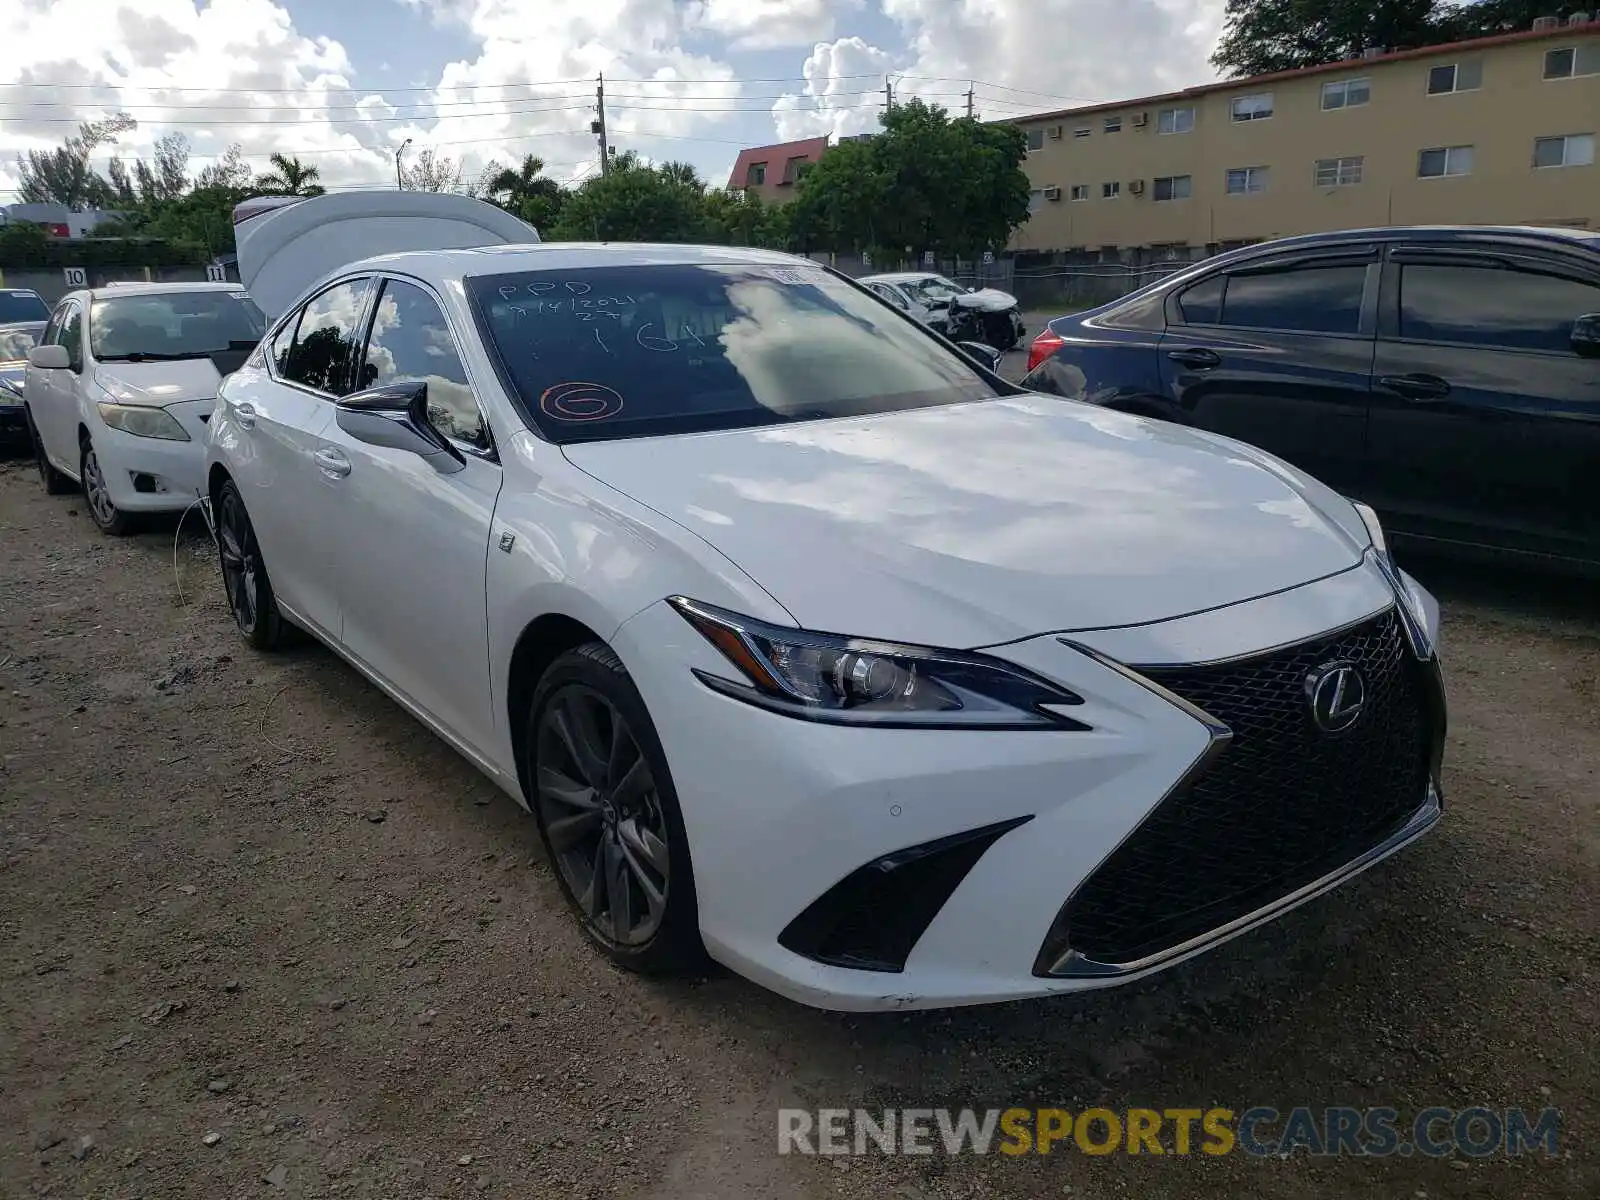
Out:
{"x": 1421, "y": 616}
{"x": 143, "y": 422}
{"x": 823, "y": 677}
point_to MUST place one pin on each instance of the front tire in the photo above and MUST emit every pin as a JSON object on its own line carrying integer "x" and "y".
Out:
{"x": 608, "y": 814}
{"x": 102, "y": 509}
{"x": 55, "y": 482}
{"x": 244, "y": 574}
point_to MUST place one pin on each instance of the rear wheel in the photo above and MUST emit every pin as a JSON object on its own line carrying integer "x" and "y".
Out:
{"x": 608, "y": 814}
{"x": 55, "y": 482}
{"x": 244, "y": 574}
{"x": 102, "y": 509}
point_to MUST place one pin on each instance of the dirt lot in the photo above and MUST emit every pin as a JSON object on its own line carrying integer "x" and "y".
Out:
{"x": 248, "y": 897}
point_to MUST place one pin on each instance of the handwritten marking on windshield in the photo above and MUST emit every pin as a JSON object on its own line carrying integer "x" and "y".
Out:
{"x": 579, "y": 400}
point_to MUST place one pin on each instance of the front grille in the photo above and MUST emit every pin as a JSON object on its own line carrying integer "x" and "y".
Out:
{"x": 1281, "y": 805}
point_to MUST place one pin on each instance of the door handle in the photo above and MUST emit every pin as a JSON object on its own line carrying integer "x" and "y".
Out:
{"x": 1416, "y": 387}
{"x": 245, "y": 414}
{"x": 1197, "y": 357}
{"x": 332, "y": 462}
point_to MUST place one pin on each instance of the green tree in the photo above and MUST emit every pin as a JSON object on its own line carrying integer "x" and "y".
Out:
{"x": 925, "y": 183}
{"x": 229, "y": 171}
{"x": 290, "y": 177}
{"x": 23, "y": 244}
{"x": 165, "y": 179}
{"x": 632, "y": 202}
{"x": 1261, "y": 36}
{"x": 432, "y": 172}
{"x": 731, "y": 217}
{"x": 63, "y": 175}
{"x": 527, "y": 192}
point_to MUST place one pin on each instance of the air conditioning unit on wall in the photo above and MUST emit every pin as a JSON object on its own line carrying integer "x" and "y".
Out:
{"x": 1140, "y": 120}
{"x": 1052, "y": 193}
{"x": 1544, "y": 24}
{"x": 1136, "y": 187}
{"x": 1055, "y": 132}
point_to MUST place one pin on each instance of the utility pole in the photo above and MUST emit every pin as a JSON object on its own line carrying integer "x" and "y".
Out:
{"x": 399, "y": 181}
{"x": 888, "y": 93}
{"x": 970, "y": 90}
{"x": 598, "y": 126}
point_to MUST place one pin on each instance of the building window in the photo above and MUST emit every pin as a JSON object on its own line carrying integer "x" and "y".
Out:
{"x": 1444, "y": 160}
{"x": 793, "y": 169}
{"x": 1573, "y": 150}
{"x": 756, "y": 176}
{"x": 1256, "y": 107}
{"x": 1173, "y": 187}
{"x": 1113, "y": 124}
{"x": 1244, "y": 180}
{"x": 1035, "y": 140}
{"x": 1339, "y": 172}
{"x": 1455, "y": 77}
{"x": 1572, "y": 61}
{"x": 1080, "y": 191}
{"x": 1081, "y": 131}
{"x": 1175, "y": 120}
{"x": 1110, "y": 191}
{"x": 1035, "y": 199}
{"x": 1346, "y": 93}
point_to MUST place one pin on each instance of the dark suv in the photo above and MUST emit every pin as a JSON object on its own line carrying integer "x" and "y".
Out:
{"x": 1450, "y": 376}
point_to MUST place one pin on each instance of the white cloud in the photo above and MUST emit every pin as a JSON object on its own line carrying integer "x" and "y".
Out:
{"x": 1019, "y": 56}
{"x": 765, "y": 24}
{"x": 842, "y": 85}
{"x": 1056, "y": 53}
{"x": 224, "y": 70}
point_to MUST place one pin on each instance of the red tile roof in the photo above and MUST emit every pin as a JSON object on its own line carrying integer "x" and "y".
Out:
{"x": 775, "y": 157}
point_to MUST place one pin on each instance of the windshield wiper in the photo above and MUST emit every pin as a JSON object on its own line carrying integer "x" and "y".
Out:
{"x": 149, "y": 356}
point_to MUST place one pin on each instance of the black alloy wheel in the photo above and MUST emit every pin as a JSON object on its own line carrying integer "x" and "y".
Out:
{"x": 244, "y": 575}
{"x": 606, "y": 811}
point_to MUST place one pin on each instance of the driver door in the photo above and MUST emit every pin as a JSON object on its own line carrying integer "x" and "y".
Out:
{"x": 414, "y": 541}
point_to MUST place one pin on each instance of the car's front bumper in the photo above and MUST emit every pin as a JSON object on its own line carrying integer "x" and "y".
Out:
{"x": 146, "y": 474}
{"x": 958, "y": 864}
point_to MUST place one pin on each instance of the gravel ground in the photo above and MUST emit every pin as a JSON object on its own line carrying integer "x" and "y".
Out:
{"x": 261, "y": 934}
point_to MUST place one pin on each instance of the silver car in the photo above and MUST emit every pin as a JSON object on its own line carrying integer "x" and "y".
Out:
{"x": 996, "y": 316}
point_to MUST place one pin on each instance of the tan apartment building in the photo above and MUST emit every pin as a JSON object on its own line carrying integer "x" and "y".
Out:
{"x": 1496, "y": 130}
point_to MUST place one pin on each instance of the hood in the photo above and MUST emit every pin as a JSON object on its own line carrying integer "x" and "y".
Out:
{"x": 974, "y": 524}
{"x": 158, "y": 384}
{"x": 987, "y": 300}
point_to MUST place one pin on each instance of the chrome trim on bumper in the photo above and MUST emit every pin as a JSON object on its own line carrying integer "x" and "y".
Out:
{"x": 1073, "y": 965}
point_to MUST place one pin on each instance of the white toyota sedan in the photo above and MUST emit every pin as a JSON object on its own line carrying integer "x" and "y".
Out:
{"x": 809, "y": 643}
{"x": 120, "y": 386}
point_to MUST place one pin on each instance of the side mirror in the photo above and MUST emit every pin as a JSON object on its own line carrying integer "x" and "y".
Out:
{"x": 985, "y": 355}
{"x": 396, "y": 415}
{"x": 50, "y": 358}
{"x": 1586, "y": 335}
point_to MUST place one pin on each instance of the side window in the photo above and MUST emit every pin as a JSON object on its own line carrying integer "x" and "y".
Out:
{"x": 411, "y": 341}
{"x": 1202, "y": 303}
{"x": 892, "y": 296}
{"x": 52, "y": 330}
{"x": 72, "y": 336}
{"x": 1311, "y": 299}
{"x": 1518, "y": 309}
{"x": 282, "y": 343}
{"x": 324, "y": 350}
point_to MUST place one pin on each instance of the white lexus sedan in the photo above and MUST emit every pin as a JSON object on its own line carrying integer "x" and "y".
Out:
{"x": 120, "y": 386}
{"x": 812, "y": 645}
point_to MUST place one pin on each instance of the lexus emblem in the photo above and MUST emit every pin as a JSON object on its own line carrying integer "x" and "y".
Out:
{"x": 1337, "y": 693}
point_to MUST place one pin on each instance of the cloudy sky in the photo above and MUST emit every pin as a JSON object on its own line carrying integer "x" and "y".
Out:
{"x": 342, "y": 83}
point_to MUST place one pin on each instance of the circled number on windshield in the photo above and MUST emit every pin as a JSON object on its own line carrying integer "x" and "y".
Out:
{"x": 578, "y": 400}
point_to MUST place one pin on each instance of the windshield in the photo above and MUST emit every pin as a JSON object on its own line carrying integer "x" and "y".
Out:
{"x": 173, "y": 325}
{"x": 17, "y": 340}
{"x": 933, "y": 287}
{"x": 620, "y": 352}
{"x": 16, "y": 305}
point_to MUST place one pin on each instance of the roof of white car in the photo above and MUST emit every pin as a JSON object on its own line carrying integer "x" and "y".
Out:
{"x": 161, "y": 289}
{"x": 565, "y": 256}
{"x": 899, "y": 277}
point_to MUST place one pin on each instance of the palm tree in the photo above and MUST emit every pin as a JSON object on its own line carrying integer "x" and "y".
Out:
{"x": 526, "y": 191}
{"x": 682, "y": 173}
{"x": 290, "y": 177}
